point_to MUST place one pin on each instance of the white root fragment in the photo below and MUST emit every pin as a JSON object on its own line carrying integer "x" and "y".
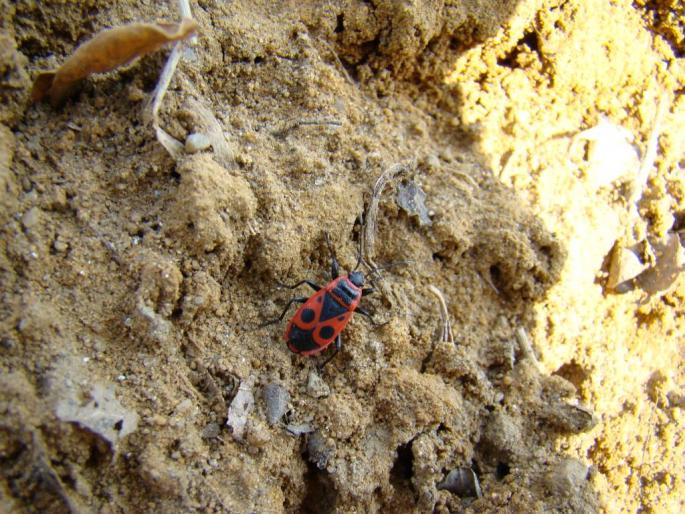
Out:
{"x": 525, "y": 346}
{"x": 446, "y": 335}
{"x": 172, "y": 145}
{"x": 647, "y": 163}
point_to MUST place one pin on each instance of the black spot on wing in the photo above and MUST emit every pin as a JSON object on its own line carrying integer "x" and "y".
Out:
{"x": 307, "y": 315}
{"x": 301, "y": 340}
{"x": 326, "y": 332}
{"x": 331, "y": 309}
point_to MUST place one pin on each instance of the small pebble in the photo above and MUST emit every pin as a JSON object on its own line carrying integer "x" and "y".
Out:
{"x": 566, "y": 477}
{"x": 433, "y": 162}
{"x": 7, "y": 344}
{"x": 158, "y": 420}
{"x": 211, "y": 431}
{"x": 411, "y": 198}
{"x": 318, "y": 452}
{"x": 183, "y": 407}
{"x": 276, "y": 399}
{"x": 31, "y": 218}
{"x": 299, "y": 429}
{"x": 463, "y": 482}
{"x": 625, "y": 265}
{"x": 257, "y": 435}
{"x": 316, "y": 387}
{"x": 197, "y": 142}
{"x": 60, "y": 246}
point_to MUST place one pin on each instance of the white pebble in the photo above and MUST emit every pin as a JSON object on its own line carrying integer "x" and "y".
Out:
{"x": 197, "y": 142}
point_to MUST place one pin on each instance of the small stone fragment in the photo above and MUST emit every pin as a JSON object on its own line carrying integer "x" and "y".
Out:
{"x": 31, "y": 218}
{"x": 257, "y": 434}
{"x": 411, "y": 198}
{"x": 568, "y": 418}
{"x": 240, "y": 408}
{"x": 504, "y": 434}
{"x": 625, "y": 265}
{"x": 566, "y": 477}
{"x": 59, "y": 245}
{"x": 297, "y": 429}
{"x": 318, "y": 451}
{"x": 197, "y": 142}
{"x": 211, "y": 431}
{"x": 276, "y": 399}
{"x": 463, "y": 482}
{"x": 316, "y": 387}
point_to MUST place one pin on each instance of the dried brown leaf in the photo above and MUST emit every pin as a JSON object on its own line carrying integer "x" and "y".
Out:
{"x": 107, "y": 50}
{"x": 670, "y": 262}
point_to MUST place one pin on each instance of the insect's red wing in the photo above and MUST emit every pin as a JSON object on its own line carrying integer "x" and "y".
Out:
{"x": 307, "y": 316}
{"x": 307, "y": 333}
{"x": 327, "y": 331}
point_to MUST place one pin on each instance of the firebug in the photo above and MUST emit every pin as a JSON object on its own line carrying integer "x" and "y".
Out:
{"x": 322, "y": 317}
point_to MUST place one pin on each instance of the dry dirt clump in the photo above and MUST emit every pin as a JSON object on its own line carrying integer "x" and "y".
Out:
{"x": 135, "y": 374}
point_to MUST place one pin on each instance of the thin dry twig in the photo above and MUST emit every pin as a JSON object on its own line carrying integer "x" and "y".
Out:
{"x": 647, "y": 163}
{"x": 446, "y": 335}
{"x": 369, "y": 236}
{"x": 306, "y": 123}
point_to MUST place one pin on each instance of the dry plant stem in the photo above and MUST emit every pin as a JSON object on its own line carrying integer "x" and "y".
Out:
{"x": 307, "y": 123}
{"x": 369, "y": 238}
{"x": 525, "y": 346}
{"x": 303, "y": 123}
{"x": 341, "y": 68}
{"x": 151, "y": 109}
{"x": 647, "y": 163}
{"x": 184, "y": 7}
{"x": 446, "y": 335}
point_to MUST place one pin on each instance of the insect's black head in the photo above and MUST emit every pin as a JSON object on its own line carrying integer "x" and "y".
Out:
{"x": 357, "y": 278}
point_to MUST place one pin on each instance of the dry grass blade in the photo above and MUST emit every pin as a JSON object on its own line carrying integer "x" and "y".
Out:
{"x": 446, "y": 335}
{"x": 106, "y": 51}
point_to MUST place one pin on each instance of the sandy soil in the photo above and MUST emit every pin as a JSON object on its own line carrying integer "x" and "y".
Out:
{"x": 135, "y": 377}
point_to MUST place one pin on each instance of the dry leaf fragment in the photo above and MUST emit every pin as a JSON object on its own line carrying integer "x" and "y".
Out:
{"x": 670, "y": 262}
{"x": 107, "y": 50}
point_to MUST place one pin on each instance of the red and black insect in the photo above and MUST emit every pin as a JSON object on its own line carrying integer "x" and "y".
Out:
{"x": 324, "y": 315}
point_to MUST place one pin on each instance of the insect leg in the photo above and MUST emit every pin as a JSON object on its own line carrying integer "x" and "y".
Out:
{"x": 370, "y": 317}
{"x": 335, "y": 267}
{"x": 338, "y": 348}
{"x": 300, "y": 299}
{"x": 367, "y": 291}
{"x": 311, "y": 284}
